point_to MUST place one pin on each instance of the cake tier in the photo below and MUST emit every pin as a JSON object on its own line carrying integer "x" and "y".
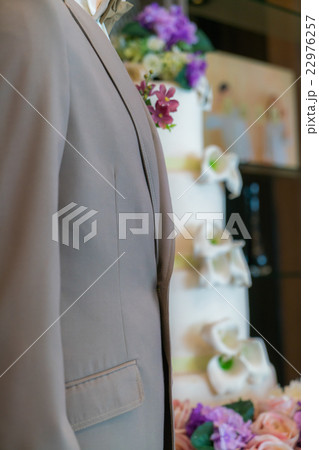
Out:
{"x": 187, "y": 137}
{"x": 195, "y": 198}
{"x": 197, "y": 389}
{"x": 192, "y": 307}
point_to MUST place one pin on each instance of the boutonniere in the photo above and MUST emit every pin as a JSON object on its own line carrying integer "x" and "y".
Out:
{"x": 163, "y": 107}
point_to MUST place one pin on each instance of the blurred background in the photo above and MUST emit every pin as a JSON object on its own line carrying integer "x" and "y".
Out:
{"x": 265, "y": 31}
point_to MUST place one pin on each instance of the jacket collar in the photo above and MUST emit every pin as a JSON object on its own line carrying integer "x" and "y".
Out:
{"x": 105, "y": 12}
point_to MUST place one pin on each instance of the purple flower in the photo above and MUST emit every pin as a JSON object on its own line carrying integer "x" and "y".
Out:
{"x": 196, "y": 419}
{"x": 184, "y": 29}
{"x": 170, "y": 25}
{"x": 195, "y": 69}
{"x": 150, "y": 15}
{"x": 157, "y": 19}
{"x": 297, "y": 419}
{"x": 230, "y": 430}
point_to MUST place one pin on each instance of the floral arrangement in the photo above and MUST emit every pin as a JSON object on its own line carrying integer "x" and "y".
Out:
{"x": 166, "y": 42}
{"x": 164, "y": 105}
{"x": 268, "y": 424}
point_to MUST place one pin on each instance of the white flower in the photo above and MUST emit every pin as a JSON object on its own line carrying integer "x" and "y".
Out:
{"x": 155, "y": 44}
{"x": 238, "y": 363}
{"x": 222, "y": 258}
{"x": 238, "y": 266}
{"x": 176, "y": 49}
{"x": 254, "y": 355}
{"x": 152, "y": 62}
{"x": 211, "y": 241}
{"x": 227, "y": 377}
{"x": 222, "y": 336}
{"x": 218, "y": 166}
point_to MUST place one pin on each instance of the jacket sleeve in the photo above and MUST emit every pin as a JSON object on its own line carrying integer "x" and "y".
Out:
{"x": 34, "y": 99}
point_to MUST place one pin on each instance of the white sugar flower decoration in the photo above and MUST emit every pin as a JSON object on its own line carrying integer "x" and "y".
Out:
{"x": 227, "y": 375}
{"x": 211, "y": 241}
{"x": 222, "y": 336}
{"x": 222, "y": 167}
{"x": 222, "y": 258}
{"x": 254, "y": 355}
{"x": 238, "y": 266}
{"x": 238, "y": 364}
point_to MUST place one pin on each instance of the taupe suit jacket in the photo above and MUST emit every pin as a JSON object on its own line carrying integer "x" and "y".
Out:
{"x": 73, "y": 129}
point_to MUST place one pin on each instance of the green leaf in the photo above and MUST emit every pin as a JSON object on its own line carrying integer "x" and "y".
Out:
{"x": 134, "y": 29}
{"x": 203, "y": 43}
{"x": 244, "y": 408}
{"x": 170, "y": 126}
{"x": 213, "y": 164}
{"x": 201, "y": 437}
{"x": 225, "y": 363}
{"x": 184, "y": 47}
{"x": 182, "y": 80}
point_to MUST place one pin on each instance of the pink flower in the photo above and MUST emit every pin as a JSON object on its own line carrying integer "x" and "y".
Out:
{"x": 283, "y": 405}
{"x": 165, "y": 98}
{"x": 161, "y": 115}
{"x": 182, "y": 411}
{"x": 145, "y": 88}
{"x": 267, "y": 442}
{"x": 278, "y": 425}
{"x": 182, "y": 442}
{"x": 164, "y": 104}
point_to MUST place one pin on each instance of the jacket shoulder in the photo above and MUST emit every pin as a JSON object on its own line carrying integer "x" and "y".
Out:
{"x": 29, "y": 26}
{"x": 34, "y": 58}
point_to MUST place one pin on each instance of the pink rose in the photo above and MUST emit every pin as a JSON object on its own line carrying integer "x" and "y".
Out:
{"x": 283, "y": 405}
{"x": 267, "y": 442}
{"x": 182, "y": 442}
{"x": 278, "y": 425}
{"x": 182, "y": 411}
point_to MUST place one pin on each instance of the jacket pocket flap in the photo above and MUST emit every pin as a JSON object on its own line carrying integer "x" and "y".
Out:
{"x": 104, "y": 395}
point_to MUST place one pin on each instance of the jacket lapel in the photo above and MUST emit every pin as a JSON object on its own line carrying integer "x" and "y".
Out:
{"x": 128, "y": 93}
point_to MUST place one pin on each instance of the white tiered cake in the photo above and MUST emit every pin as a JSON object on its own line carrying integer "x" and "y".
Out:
{"x": 203, "y": 297}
